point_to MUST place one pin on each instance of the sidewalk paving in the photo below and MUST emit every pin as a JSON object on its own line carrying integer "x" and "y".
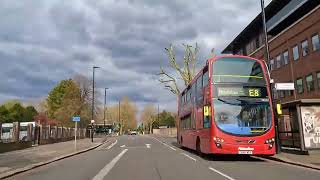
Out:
{"x": 37, "y": 155}
{"x": 312, "y": 160}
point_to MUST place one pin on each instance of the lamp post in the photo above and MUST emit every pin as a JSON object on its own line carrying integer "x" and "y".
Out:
{"x": 266, "y": 41}
{"x": 104, "y": 108}
{"x": 92, "y": 110}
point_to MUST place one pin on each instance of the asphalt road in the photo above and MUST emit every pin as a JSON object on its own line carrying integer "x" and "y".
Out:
{"x": 149, "y": 158}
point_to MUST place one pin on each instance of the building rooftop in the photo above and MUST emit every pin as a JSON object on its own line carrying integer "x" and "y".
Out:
{"x": 279, "y": 15}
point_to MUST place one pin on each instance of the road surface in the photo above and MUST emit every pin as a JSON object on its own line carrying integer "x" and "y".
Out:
{"x": 149, "y": 158}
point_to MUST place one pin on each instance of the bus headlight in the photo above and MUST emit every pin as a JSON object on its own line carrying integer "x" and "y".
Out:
{"x": 270, "y": 142}
{"x": 218, "y": 142}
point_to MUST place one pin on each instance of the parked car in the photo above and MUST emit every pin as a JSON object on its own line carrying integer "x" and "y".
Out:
{"x": 133, "y": 133}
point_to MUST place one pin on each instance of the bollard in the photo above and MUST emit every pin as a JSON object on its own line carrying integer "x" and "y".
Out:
{"x": 15, "y": 131}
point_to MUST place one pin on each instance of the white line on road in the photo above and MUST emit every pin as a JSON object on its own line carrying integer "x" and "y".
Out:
{"x": 109, "y": 147}
{"x": 189, "y": 156}
{"x": 148, "y": 145}
{"x": 104, "y": 171}
{"x": 164, "y": 143}
{"x": 123, "y": 146}
{"x": 222, "y": 174}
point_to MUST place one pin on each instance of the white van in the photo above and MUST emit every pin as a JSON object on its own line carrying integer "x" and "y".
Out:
{"x": 7, "y": 130}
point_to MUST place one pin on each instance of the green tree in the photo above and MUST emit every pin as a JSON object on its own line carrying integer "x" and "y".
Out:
{"x": 56, "y": 95}
{"x": 29, "y": 114}
{"x": 165, "y": 119}
{"x": 3, "y": 114}
{"x": 10, "y": 103}
{"x": 16, "y": 113}
{"x": 76, "y": 101}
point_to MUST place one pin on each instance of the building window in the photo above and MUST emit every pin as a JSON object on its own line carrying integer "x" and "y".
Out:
{"x": 305, "y": 47}
{"x": 257, "y": 43}
{"x": 299, "y": 83}
{"x": 278, "y": 61}
{"x": 318, "y": 79}
{"x": 295, "y": 52}
{"x": 288, "y": 93}
{"x": 285, "y": 57}
{"x": 315, "y": 42}
{"x": 281, "y": 94}
{"x": 271, "y": 64}
{"x": 310, "y": 84}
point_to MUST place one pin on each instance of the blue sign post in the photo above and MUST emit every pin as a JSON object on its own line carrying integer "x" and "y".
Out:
{"x": 75, "y": 119}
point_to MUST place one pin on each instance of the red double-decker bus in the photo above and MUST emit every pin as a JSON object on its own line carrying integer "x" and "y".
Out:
{"x": 227, "y": 108}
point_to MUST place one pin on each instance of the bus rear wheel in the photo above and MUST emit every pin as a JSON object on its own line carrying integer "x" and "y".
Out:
{"x": 181, "y": 141}
{"x": 198, "y": 147}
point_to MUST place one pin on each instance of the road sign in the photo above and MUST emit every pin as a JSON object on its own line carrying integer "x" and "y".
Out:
{"x": 284, "y": 86}
{"x": 76, "y": 118}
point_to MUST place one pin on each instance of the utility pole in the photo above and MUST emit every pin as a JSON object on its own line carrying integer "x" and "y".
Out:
{"x": 104, "y": 108}
{"x": 92, "y": 108}
{"x": 158, "y": 113}
{"x": 120, "y": 129}
{"x": 266, "y": 41}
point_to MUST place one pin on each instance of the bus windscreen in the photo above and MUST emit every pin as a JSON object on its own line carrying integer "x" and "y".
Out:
{"x": 237, "y": 70}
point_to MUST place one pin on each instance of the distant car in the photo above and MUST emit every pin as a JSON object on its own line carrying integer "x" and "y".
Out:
{"x": 133, "y": 133}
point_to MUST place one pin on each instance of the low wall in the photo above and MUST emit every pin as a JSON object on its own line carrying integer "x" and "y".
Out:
{"x": 12, "y": 146}
{"x": 169, "y": 132}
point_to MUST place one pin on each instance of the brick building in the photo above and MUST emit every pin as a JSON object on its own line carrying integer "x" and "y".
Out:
{"x": 293, "y": 28}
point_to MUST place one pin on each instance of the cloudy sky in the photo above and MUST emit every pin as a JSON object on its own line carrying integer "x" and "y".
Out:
{"x": 43, "y": 42}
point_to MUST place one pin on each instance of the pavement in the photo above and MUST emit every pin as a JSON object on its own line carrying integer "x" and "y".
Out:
{"x": 21, "y": 160}
{"x": 311, "y": 160}
{"x": 146, "y": 157}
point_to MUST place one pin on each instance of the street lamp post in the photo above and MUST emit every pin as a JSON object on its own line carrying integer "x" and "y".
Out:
{"x": 104, "y": 107}
{"x": 266, "y": 41}
{"x": 92, "y": 110}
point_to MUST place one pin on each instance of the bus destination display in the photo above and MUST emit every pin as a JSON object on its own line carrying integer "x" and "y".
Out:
{"x": 239, "y": 91}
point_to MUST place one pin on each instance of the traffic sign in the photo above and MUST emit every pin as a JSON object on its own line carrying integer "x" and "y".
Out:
{"x": 284, "y": 86}
{"x": 76, "y": 118}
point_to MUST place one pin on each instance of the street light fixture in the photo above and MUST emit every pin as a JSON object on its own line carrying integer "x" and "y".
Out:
{"x": 92, "y": 110}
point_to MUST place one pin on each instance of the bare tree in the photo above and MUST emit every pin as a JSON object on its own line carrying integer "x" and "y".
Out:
{"x": 186, "y": 71}
{"x": 148, "y": 116}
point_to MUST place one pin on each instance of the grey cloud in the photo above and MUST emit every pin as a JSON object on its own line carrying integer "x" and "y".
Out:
{"x": 43, "y": 42}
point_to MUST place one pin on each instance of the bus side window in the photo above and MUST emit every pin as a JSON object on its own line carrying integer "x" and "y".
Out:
{"x": 199, "y": 92}
{"x": 205, "y": 79}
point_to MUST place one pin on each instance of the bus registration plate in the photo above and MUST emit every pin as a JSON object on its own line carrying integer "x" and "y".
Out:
{"x": 245, "y": 152}
{"x": 248, "y": 150}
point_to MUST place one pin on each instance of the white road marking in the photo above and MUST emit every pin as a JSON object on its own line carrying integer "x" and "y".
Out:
{"x": 222, "y": 174}
{"x": 104, "y": 171}
{"x": 189, "y": 156}
{"x": 164, "y": 143}
{"x": 109, "y": 147}
{"x": 148, "y": 145}
{"x": 123, "y": 146}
